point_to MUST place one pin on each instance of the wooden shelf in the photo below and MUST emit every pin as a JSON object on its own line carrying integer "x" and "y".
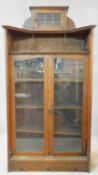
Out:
{"x": 55, "y": 108}
{"x": 41, "y": 80}
{"x": 27, "y": 130}
{"x": 67, "y": 107}
{"x": 66, "y": 133}
{"x": 59, "y": 133}
{"x": 69, "y": 80}
{"x": 29, "y": 80}
{"x": 47, "y": 52}
{"x": 63, "y": 71}
{"x": 29, "y": 107}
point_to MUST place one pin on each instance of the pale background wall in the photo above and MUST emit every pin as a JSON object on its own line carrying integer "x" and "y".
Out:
{"x": 14, "y": 12}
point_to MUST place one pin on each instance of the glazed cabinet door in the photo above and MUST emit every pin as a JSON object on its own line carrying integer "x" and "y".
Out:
{"x": 48, "y": 104}
{"x": 28, "y": 86}
{"x": 69, "y": 83}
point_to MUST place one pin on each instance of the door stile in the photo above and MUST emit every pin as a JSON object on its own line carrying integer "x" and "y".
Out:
{"x": 12, "y": 106}
{"x": 46, "y": 98}
{"x": 85, "y": 108}
{"x": 51, "y": 105}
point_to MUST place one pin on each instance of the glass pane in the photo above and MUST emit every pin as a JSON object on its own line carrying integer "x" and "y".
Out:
{"x": 53, "y": 19}
{"x": 41, "y": 19}
{"x": 57, "y": 19}
{"x": 29, "y": 89}
{"x": 68, "y": 144}
{"x": 68, "y": 94}
{"x": 48, "y": 19}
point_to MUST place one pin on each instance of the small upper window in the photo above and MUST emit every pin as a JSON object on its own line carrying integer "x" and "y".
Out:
{"x": 47, "y": 19}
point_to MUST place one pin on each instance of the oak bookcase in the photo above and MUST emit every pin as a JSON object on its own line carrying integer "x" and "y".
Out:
{"x": 49, "y": 86}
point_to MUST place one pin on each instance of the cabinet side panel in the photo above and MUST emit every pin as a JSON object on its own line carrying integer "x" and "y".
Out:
{"x": 8, "y": 44}
{"x": 90, "y": 72}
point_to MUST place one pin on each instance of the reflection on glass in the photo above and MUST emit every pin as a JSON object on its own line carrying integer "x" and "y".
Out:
{"x": 29, "y": 130}
{"x": 29, "y": 105}
{"x": 68, "y": 121}
{"x": 32, "y": 68}
{"x": 68, "y": 93}
{"x": 70, "y": 70}
{"x": 68, "y": 144}
{"x": 29, "y": 93}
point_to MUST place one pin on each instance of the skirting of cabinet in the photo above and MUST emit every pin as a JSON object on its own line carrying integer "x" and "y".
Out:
{"x": 48, "y": 164}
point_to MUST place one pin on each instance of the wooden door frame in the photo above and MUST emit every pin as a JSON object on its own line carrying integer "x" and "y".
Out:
{"x": 12, "y": 58}
{"x": 84, "y": 58}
